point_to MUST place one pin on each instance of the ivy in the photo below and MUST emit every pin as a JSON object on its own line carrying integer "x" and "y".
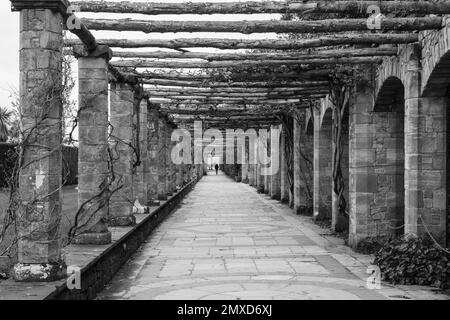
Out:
{"x": 414, "y": 261}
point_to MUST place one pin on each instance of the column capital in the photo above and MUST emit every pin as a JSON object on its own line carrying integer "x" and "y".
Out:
{"x": 59, "y": 5}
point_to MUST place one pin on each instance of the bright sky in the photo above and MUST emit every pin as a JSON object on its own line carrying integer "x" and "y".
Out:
{"x": 9, "y": 65}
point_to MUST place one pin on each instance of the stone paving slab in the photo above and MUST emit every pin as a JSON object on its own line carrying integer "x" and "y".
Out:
{"x": 227, "y": 242}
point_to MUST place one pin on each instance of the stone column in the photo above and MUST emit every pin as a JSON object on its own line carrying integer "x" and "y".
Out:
{"x": 259, "y": 176}
{"x": 245, "y": 164}
{"x": 426, "y": 154}
{"x": 39, "y": 213}
{"x": 169, "y": 164}
{"x": 93, "y": 158}
{"x": 363, "y": 180}
{"x": 339, "y": 222}
{"x": 267, "y": 177}
{"x": 153, "y": 154}
{"x": 122, "y": 116}
{"x": 284, "y": 183}
{"x": 162, "y": 149}
{"x": 275, "y": 178}
{"x": 142, "y": 171}
{"x": 297, "y": 169}
{"x": 251, "y": 163}
{"x": 303, "y": 169}
{"x": 322, "y": 164}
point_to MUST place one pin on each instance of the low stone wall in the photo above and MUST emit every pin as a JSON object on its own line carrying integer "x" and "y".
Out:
{"x": 101, "y": 270}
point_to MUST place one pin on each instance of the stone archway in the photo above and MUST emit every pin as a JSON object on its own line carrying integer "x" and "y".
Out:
{"x": 435, "y": 101}
{"x": 387, "y": 211}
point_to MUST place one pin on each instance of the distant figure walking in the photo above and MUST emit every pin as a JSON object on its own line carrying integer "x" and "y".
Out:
{"x": 217, "y": 169}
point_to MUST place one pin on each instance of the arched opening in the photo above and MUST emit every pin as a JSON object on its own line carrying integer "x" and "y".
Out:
{"x": 388, "y": 208}
{"x": 435, "y": 103}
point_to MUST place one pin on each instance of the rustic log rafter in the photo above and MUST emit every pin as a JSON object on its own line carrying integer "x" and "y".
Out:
{"x": 321, "y": 41}
{"x": 260, "y": 76}
{"x": 172, "y": 64}
{"x": 243, "y": 101}
{"x": 324, "y": 54}
{"x": 227, "y": 90}
{"x": 231, "y": 44}
{"x": 354, "y": 8}
{"x": 264, "y": 26}
{"x": 161, "y": 83}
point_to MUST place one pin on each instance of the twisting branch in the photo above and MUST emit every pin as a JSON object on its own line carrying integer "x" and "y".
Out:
{"x": 340, "y": 91}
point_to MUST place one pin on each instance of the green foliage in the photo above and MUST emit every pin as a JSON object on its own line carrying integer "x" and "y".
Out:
{"x": 414, "y": 261}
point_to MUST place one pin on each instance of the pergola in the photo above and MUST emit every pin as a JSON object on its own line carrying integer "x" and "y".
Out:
{"x": 190, "y": 82}
{"x": 252, "y": 89}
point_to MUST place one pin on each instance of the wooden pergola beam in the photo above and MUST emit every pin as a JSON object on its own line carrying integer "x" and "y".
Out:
{"x": 225, "y": 90}
{"x": 225, "y": 112}
{"x": 242, "y": 98}
{"x": 255, "y": 117}
{"x": 323, "y": 41}
{"x": 356, "y": 8}
{"x": 314, "y": 75}
{"x": 324, "y": 54}
{"x": 242, "y": 101}
{"x": 243, "y": 94}
{"x": 230, "y": 85}
{"x": 232, "y": 44}
{"x": 156, "y": 63}
{"x": 264, "y": 26}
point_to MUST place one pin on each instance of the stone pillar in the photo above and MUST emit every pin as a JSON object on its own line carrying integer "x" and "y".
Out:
{"x": 93, "y": 158}
{"x": 39, "y": 213}
{"x": 297, "y": 169}
{"x": 425, "y": 154}
{"x": 267, "y": 176}
{"x": 284, "y": 183}
{"x": 252, "y": 164}
{"x": 153, "y": 156}
{"x": 162, "y": 171}
{"x": 363, "y": 180}
{"x": 339, "y": 221}
{"x": 251, "y": 174}
{"x": 322, "y": 164}
{"x": 170, "y": 188}
{"x": 122, "y": 116}
{"x": 275, "y": 178}
{"x": 245, "y": 164}
{"x": 303, "y": 170}
{"x": 142, "y": 171}
{"x": 259, "y": 176}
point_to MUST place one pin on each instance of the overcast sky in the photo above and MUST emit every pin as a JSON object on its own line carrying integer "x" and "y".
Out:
{"x": 9, "y": 65}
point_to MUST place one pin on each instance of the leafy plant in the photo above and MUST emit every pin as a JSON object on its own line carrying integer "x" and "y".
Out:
{"x": 414, "y": 261}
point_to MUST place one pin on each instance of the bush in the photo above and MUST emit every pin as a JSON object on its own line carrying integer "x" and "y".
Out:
{"x": 414, "y": 261}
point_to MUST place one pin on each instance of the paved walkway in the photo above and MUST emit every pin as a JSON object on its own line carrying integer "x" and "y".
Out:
{"x": 228, "y": 242}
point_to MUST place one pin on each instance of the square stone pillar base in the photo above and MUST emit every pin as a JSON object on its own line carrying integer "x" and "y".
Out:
{"x": 39, "y": 272}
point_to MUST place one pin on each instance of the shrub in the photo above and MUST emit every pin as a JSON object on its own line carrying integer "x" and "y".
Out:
{"x": 414, "y": 261}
